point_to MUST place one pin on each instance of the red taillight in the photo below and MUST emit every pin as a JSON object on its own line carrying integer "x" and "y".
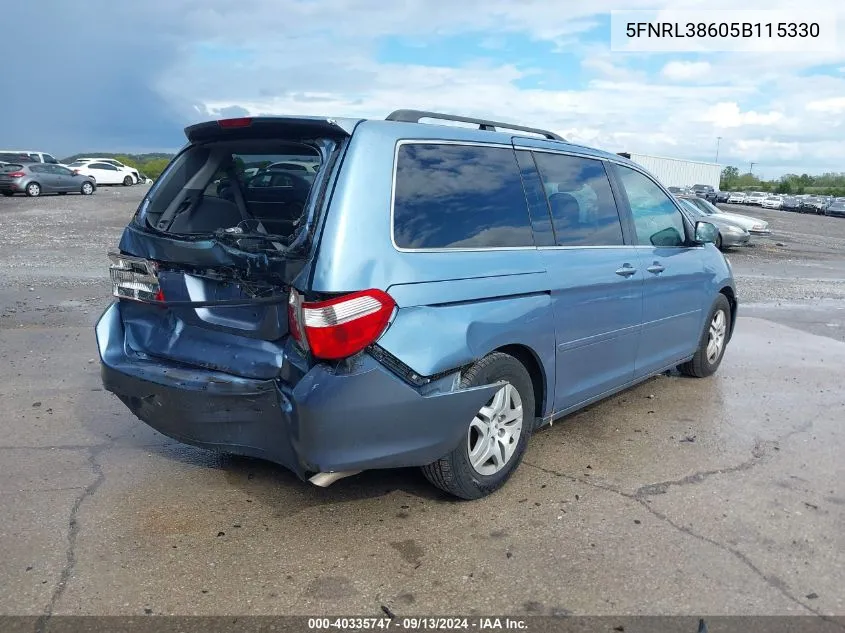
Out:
{"x": 16, "y": 174}
{"x": 245, "y": 121}
{"x": 340, "y": 327}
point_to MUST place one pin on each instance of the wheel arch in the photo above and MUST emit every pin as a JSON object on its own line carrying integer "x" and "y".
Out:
{"x": 730, "y": 295}
{"x": 531, "y": 362}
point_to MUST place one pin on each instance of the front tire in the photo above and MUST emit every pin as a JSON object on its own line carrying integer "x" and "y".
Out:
{"x": 719, "y": 241}
{"x": 714, "y": 339}
{"x": 86, "y": 189}
{"x": 496, "y": 438}
{"x": 128, "y": 181}
{"x": 33, "y": 190}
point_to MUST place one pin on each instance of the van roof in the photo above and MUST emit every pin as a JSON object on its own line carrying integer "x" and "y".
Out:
{"x": 401, "y": 124}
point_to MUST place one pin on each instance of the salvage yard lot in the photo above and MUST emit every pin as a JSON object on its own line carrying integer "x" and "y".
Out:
{"x": 716, "y": 496}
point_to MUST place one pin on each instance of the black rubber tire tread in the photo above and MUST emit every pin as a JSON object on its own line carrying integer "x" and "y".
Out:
{"x": 453, "y": 473}
{"x": 699, "y": 366}
{"x": 719, "y": 241}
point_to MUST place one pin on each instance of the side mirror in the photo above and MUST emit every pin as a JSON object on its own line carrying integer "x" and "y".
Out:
{"x": 706, "y": 233}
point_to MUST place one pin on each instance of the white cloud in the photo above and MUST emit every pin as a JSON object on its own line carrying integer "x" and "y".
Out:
{"x": 728, "y": 115}
{"x": 685, "y": 71}
{"x": 833, "y": 105}
{"x": 766, "y": 149}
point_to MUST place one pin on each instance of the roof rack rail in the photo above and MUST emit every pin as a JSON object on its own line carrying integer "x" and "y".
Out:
{"x": 414, "y": 116}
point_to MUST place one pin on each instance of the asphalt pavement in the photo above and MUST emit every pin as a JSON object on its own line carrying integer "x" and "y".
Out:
{"x": 717, "y": 496}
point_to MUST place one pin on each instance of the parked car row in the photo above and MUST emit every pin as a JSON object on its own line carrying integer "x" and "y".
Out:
{"x": 804, "y": 203}
{"x": 706, "y": 192}
{"x": 36, "y": 173}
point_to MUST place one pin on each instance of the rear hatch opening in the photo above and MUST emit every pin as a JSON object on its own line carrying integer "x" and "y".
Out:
{"x": 206, "y": 267}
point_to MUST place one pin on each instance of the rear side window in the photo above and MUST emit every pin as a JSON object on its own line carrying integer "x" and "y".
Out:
{"x": 459, "y": 196}
{"x": 581, "y": 201}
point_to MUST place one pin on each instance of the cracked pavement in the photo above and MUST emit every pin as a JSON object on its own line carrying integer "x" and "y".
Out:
{"x": 722, "y": 496}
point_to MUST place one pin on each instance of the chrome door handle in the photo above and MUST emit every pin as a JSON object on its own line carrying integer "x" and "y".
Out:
{"x": 655, "y": 268}
{"x": 626, "y": 271}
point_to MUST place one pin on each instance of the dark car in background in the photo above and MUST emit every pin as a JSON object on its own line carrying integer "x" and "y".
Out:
{"x": 791, "y": 203}
{"x": 705, "y": 191}
{"x": 814, "y": 204}
{"x": 722, "y": 196}
{"x": 34, "y": 179}
{"x": 836, "y": 208}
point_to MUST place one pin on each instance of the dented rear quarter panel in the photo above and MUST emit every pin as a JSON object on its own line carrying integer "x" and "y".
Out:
{"x": 454, "y": 307}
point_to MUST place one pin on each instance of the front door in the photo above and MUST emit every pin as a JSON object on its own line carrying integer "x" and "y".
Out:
{"x": 50, "y": 182}
{"x": 63, "y": 177}
{"x": 596, "y": 280}
{"x": 675, "y": 287}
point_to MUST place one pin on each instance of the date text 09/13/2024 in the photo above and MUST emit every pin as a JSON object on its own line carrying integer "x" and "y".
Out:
{"x": 418, "y": 624}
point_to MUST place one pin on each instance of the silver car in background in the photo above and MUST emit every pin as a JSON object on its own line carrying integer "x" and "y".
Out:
{"x": 35, "y": 179}
{"x": 730, "y": 234}
{"x": 753, "y": 225}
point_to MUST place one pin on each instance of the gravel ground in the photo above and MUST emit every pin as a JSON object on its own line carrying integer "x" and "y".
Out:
{"x": 677, "y": 497}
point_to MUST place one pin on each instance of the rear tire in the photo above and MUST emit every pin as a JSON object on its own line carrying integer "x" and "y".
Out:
{"x": 500, "y": 429}
{"x": 8, "y": 194}
{"x": 128, "y": 181}
{"x": 63, "y": 193}
{"x": 33, "y": 190}
{"x": 714, "y": 340}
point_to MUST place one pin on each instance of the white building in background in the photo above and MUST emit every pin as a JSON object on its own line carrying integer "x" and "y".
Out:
{"x": 674, "y": 172}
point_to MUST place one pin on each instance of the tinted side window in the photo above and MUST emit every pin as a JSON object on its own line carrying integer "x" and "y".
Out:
{"x": 49, "y": 159}
{"x": 581, "y": 200}
{"x": 459, "y": 196}
{"x": 658, "y": 222}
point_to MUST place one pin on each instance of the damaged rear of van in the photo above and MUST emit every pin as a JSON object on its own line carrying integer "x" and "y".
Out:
{"x": 341, "y": 295}
{"x": 239, "y": 326}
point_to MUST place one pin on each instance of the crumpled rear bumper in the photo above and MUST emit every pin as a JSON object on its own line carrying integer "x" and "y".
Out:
{"x": 361, "y": 418}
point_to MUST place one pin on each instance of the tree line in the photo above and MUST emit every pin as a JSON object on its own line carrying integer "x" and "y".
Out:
{"x": 829, "y": 184}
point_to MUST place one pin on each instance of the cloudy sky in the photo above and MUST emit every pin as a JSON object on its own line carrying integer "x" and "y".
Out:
{"x": 117, "y": 75}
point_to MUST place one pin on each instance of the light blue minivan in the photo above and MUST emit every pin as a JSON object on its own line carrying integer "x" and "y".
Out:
{"x": 425, "y": 294}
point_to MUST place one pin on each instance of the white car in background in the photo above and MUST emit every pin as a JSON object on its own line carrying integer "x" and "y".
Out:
{"x": 756, "y": 198}
{"x": 772, "y": 202}
{"x": 737, "y": 197}
{"x": 104, "y": 173}
{"x": 136, "y": 177}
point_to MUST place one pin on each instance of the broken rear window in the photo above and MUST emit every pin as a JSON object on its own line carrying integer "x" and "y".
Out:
{"x": 229, "y": 184}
